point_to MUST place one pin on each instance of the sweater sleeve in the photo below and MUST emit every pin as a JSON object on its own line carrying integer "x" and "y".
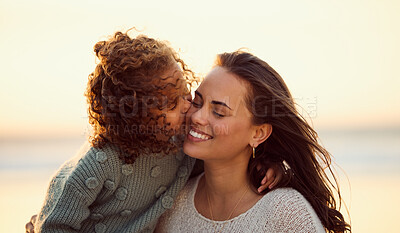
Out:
{"x": 72, "y": 190}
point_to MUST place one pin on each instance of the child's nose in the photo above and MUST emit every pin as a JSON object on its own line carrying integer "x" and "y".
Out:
{"x": 186, "y": 106}
{"x": 187, "y": 102}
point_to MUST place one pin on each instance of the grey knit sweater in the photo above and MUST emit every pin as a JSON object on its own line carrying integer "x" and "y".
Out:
{"x": 97, "y": 192}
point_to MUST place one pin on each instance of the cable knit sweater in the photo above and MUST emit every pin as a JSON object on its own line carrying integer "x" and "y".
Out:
{"x": 97, "y": 192}
{"x": 281, "y": 210}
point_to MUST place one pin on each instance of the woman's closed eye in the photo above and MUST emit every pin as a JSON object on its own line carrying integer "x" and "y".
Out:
{"x": 217, "y": 114}
{"x": 218, "y": 111}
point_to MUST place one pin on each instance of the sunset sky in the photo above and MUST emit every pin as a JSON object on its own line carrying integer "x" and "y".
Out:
{"x": 339, "y": 57}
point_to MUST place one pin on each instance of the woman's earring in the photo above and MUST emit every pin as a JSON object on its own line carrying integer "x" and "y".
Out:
{"x": 254, "y": 152}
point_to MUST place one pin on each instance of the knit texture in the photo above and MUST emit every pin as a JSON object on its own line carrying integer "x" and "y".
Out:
{"x": 98, "y": 192}
{"x": 281, "y": 210}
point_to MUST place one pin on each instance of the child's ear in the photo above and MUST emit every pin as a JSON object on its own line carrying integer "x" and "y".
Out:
{"x": 260, "y": 134}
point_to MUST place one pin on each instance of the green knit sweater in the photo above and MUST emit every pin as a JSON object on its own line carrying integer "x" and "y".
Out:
{"x": 98, "y": 192}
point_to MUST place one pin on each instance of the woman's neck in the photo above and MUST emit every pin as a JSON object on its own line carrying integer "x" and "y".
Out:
{"x": 224, "y": 179}
{"x": 224, "y": 192}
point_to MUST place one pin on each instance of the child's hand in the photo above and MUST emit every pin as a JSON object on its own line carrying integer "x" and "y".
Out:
{"x": 270, "y": 180}
{"x": 30, "y": 226}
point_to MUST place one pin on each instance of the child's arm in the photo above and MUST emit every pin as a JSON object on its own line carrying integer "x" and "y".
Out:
{"x": 65, "y": 211}
{"x": 74, "y": 188}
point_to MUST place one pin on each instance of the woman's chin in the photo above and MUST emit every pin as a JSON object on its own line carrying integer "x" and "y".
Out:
{"x": 189, "y": 149}
{"x": 195, "y": 147}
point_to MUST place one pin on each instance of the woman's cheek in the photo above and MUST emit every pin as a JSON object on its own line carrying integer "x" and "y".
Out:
{"x": 220, "y": 129}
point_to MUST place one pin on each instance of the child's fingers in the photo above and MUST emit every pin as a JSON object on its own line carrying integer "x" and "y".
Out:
{"x": 29, "y": 228}
{"x": 278, "y": 178}
{"x": 267, "y": 180}
{"x": 264, "y": 180}
{"x": 266, "y": 184}
{"x": 263, "y": 187}
{"x": 270, "y": 174}
{"x": 33, "y": 219}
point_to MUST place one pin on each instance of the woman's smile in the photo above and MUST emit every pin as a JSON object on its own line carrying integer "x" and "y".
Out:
{"x": 219, "y": 122}
{"x": 196, "y": 135}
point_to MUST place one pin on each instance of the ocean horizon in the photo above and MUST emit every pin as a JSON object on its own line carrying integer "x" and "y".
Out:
{"x": 354, "y": 150}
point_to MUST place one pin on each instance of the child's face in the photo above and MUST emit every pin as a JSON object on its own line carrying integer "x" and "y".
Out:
{"x": 176, "y": 116}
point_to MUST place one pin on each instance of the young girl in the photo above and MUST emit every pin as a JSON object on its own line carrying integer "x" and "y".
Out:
{"x": 138, "y": 96}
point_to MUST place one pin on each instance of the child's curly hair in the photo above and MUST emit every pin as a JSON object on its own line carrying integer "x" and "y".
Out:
{"x": 127, "y": 97}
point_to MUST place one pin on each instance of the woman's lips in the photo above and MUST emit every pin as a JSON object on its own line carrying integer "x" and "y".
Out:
{"x": 198, "y": 135}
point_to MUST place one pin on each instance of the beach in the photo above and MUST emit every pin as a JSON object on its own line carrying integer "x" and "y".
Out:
{"x": 368, "y": 167}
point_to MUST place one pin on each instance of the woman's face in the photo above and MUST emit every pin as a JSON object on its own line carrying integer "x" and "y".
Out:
{"x": 219, "y": 122}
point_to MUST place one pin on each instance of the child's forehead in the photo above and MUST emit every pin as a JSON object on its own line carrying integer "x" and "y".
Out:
{"x": 174, "y": 72}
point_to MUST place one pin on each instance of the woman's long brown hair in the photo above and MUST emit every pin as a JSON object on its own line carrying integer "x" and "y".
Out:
{"x": 292, "y": 140}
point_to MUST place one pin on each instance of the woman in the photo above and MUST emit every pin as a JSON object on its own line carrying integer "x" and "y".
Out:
{"x": 243, "y": 115}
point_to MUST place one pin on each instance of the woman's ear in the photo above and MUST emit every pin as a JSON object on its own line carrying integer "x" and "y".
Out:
{"x": 261, "y": 133}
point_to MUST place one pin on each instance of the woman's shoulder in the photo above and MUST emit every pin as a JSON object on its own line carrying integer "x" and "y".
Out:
{"x": 289, "y": 209}
{"x": 287, "y": 195}
{"x": 288, "y": 200}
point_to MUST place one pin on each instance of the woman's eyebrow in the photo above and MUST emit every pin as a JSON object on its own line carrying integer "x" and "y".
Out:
{"x": 220, "y": 103}
{"x": 214, "y": 101}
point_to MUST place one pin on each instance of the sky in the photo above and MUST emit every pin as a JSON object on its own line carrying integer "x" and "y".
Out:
{"x": 338, "y": 58}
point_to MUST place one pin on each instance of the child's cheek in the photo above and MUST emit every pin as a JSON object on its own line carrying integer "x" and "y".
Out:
{"x": 175, "y": 118}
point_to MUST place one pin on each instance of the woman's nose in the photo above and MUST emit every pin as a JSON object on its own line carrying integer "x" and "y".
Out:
{"x": 198, "y": 116}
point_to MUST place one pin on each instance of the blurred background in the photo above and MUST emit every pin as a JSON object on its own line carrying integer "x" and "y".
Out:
{"x": 339, "y": 58}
